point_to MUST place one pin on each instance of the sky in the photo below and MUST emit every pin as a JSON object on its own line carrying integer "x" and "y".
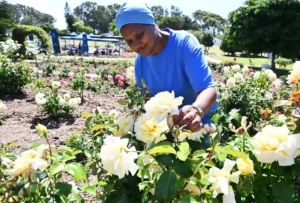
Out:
{"x": 56, "y": 7}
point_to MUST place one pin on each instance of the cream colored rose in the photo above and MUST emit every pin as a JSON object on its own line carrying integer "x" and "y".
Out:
{"x": 130, "y": 73}
{"x": 2, "y": 106}
{"x": 75, "y": 101}
{"x": 40, "y": 98}
{"x": 230, "y": 83}
{"x": 226, "y": 70}
{"x": 221, "y": 178}
{"x": 41, "y": 129}
{"x": 245, "y": 166}
{"x": 148, "y": 129}
{"x": 256, "y": 75}
{"x": 55, "y": 84}
{"x": 28, "y": 162}
{"x": 125, "y": 125}
{"x": 162, "y": 104}
{"x": 275, "y": 144}
{"x": 245, "y": 69}
{"x": 236, "y": 68}
{"x": 117, "y": 158}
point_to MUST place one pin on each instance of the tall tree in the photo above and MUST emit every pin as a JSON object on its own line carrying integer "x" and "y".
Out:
{"x": 70, "y": 18}
{"x": 207, "y": 40}
{"x": 94, "y": 15}
{"x": 158, "y": 12}
{"x": 173, "y": 22}
{"x": 190, "y": 24}
{"x": 30, "y": 16}
{"x": 267, "y": 26}
{"x": 176, "y": 11}
{"x": 6, "y": 19}
{"x": 210, "y": 22}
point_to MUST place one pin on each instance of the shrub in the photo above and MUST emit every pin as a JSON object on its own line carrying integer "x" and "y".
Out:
{"x": 20, "y": 33}
{"x": 13, "y": 76}
{"x": 283, "y": 62}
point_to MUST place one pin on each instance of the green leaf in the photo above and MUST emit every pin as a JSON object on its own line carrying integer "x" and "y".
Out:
{"x": 79, "y": 171}
{"x": 98, "y": 127}
{"x": 184, "y": 151}
{"x": 34, "y": 145}
{"x": 12, "y": 144}
{"x": 166, "y": 186}
{"x": 88, "y": 122}
{"x": 199, "y": 153}
{"x": 90, "y": 189}
{"x": 204, "y": 182}
{"x": 283, "y": 192}
{"x": 143, "y": 185}
{"x": 56, "y": 167}
{"x": 183, "y": 170}
{"x": 238, "y": 154}
{"x": 86, "y": 114}
{"x": 163, "y": 148}
{"x": 165, "y": 160}
{"x": 67, "y": 157}
{"x": 63, "y": 189}
{"x": 187, "y": 199}
{"x": 210, "y": 163}
{"x": 65, "y": 148}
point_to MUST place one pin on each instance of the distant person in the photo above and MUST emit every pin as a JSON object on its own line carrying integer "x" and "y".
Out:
{"x": 169, "y": 60}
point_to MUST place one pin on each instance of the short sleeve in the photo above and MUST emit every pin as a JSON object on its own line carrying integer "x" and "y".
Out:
{"x": 137, "y": 69}
{"x": 195, "y": 64}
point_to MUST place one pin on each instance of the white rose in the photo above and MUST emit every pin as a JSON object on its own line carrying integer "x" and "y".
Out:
{"x": 117, "y": 158}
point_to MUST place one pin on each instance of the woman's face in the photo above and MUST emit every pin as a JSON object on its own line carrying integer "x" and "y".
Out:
{"x": 140, "y": 38}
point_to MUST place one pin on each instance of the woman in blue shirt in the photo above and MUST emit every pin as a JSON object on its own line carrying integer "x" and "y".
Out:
{"x": 169, "y": 60}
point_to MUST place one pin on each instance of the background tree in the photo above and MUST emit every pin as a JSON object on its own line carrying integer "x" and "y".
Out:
{"x": 207, "y": 39}
{"x": 176, "y": 11}
{"x": 210, "y": 22}
{"x": 6, "y": 19}
{"x": 190, "y": 24}
{"x": 70, "y": 18}
{"x": 47, "y": 27}
{"x": 96, "y": 16}
{"x": 80, "y": 27}
{"x": 113, "y": 28}
{"x": 267, "y": 26}
{"x": 30, "y": 16}
{"x": 173, "y": 22}
{"x": 158, "y": 12}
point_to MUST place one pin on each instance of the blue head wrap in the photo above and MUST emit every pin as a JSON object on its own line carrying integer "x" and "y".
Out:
{"x": 134, "y": 12}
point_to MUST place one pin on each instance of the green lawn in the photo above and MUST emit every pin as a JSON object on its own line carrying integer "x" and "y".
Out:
{"x": 215, "y": 52}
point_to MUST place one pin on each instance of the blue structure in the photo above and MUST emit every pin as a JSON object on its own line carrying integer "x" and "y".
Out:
{"x": 55, "y": 41}
{"x": 30, "y": 36}
{"x": 85, "y": 46}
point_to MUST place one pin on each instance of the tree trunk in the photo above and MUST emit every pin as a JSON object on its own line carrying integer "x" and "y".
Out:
{"x": 273, "y": 61}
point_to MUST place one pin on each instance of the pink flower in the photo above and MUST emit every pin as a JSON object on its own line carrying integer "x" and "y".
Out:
{"x": 121, "y": 83}
{"x": 88, "y": 77}
{"x": 62, "y": 82}
{"x": 48, "y": 81}
{"x": 118, "y": 77}
{"x": 70, "y": 78}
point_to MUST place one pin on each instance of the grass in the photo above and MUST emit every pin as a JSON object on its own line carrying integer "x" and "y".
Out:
{"x": 215, "y": 52}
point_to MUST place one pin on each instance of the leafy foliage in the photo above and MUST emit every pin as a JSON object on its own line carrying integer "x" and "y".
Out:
{"x": 20, "y": 33}
{"x": 13, "y": 76}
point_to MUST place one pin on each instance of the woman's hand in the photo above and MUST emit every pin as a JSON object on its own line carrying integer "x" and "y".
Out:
{"x": 188, "y": 117}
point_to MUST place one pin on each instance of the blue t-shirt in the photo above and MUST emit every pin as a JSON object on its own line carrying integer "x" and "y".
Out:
{"x": 179, "y": 67}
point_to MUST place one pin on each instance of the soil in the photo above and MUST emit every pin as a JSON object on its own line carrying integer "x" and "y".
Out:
{"x": 22, "y": 116}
